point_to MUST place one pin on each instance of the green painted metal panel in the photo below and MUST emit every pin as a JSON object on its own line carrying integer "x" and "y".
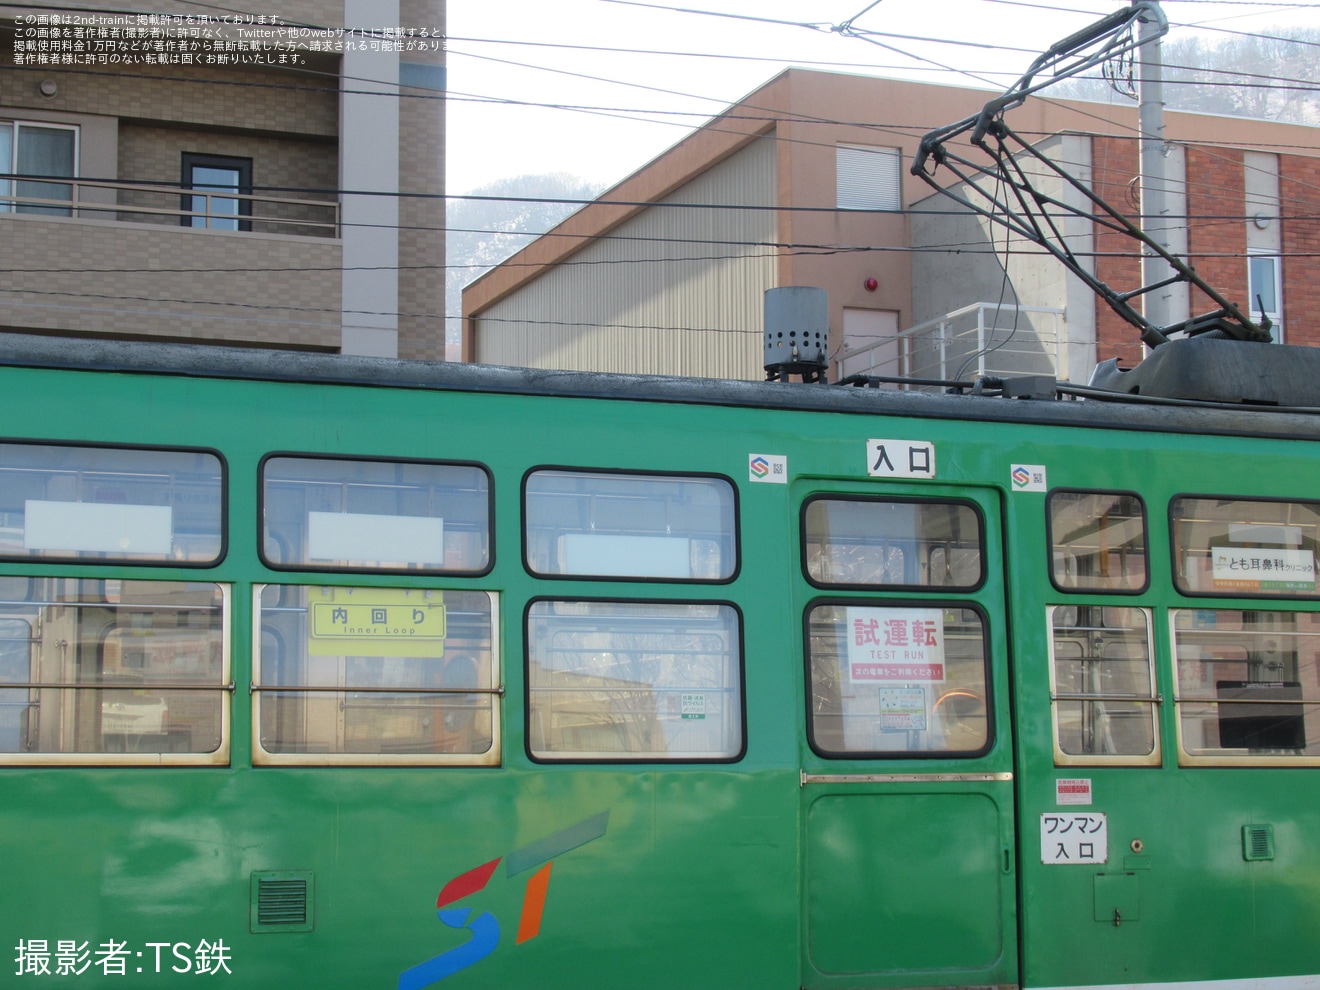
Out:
{"x": 904, "y": 883}
{"x": 733, "y": 875}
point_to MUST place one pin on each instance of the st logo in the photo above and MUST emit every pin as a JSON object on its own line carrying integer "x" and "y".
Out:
{"x": 485, "y": 928}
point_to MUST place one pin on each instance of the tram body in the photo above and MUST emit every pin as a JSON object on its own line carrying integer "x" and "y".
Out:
{"x": 348, "y": 673}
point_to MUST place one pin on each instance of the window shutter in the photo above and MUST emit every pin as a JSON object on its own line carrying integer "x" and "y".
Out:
{"x": 868, "y": 178}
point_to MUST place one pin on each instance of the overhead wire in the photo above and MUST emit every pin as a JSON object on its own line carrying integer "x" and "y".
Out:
{"x": 800, "y": 24}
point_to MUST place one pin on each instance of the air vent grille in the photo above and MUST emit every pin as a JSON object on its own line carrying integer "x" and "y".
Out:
{"x": 1257, "y": 842}
{"x": 282, "y": 902}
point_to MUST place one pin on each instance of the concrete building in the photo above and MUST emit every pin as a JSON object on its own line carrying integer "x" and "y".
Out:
{"x": 272, "y": 180}
{"x": 805, "y": 182}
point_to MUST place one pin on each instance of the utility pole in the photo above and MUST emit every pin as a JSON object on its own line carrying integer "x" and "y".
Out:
{"x": 1153, "y": 181}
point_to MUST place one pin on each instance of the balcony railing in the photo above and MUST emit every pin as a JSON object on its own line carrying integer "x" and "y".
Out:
{"x": 136, "y": 202}
{"x": 972, "y": 342}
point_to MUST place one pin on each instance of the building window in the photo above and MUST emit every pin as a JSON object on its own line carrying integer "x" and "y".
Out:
{"x": 1265, "y": 289}
{"x": 211, "y": 176}
{"x": 37, "y": 149}
{"x": 868, "y": 178}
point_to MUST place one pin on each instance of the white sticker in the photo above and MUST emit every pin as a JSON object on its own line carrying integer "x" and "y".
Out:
{"x": 900, "y": 645}
{"x": 767, "y": 468}
{"x": 98, "y": 527}
{"x": 1259, "y": 569}
{"x": 370, "y": 536}
{"x": 900, "y": 458}
{"x": 1075, "y": 790}
{"x": 903, "y": 709}
{"x": 1027, "y": 477}
{"x": 1074, "y": 838}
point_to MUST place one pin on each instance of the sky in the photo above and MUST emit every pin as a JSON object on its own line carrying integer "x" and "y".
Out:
{"x": 597, "y": 88}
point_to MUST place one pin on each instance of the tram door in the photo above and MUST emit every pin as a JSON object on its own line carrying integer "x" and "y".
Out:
{"x": 906, "y": 777}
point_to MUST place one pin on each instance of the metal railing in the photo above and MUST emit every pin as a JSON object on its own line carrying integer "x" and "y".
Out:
{"x": 135, "y": 202}
{"x": 978, "y": 340}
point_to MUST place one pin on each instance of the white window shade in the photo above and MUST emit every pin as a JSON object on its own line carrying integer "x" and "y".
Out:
{"x": 868, "y": 178}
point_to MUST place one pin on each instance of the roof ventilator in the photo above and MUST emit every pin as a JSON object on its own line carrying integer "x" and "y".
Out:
{"x": 797, "y": 333}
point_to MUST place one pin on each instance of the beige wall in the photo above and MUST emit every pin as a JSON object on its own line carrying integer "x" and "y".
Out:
{"x": 811, "y": 113}
{"x": 169, "y": 282}
{"x": 669, "y": 291}
{"x": 285, "y": 168}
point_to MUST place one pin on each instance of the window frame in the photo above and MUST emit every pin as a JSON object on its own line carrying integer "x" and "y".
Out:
{"x": 1155, "y": 699}
{"x": 1050, "y": 545}
{"x": 1275, "y": 315}
{"x": 1177, "y": 573}
{"x": 606, "y": 760}
{"x": 190, "y": 160}
{"x": 938, "y": 589}
{"x": 852, "y": 170}
{"x": 9, "y": 187}
{"x": 893, "y": 756}
{"x": 401, "y": 572}
{"x": 222, "y": 550}
{"x": 1224, "y": 757}
{"x": 735, "y": 536}
{"x": 493, "y": 758}
{"x": 221, "y": 756}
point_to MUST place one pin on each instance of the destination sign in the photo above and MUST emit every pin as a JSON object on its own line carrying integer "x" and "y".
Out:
{"x": 380, "y": 622}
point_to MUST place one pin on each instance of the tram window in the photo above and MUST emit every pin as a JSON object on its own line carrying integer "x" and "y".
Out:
{"x": 593, "y": 524}
{"x": 375, "y": 676}
{"x": 1245, "y": 547}
{"x": 889, "y": 681}
{"x": 110, "y": 503}
{"x": 1248, "y": 686}
{"x": 892, "y": 543}
{"x": 634, "y": 681}
{"x": 1097, "y": 541}
{"x": 1102, "y": 685}
{"x": 375, "y": 515}
{"x": 113, "y": 672}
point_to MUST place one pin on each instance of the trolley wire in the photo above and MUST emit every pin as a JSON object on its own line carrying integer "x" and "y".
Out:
{"x": 648, "y": 204}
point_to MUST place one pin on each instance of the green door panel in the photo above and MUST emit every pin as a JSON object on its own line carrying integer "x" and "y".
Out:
{"x": 904, "y": 882}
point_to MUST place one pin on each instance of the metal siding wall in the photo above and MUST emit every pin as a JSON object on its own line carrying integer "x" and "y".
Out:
{"x": 698, "y": 304}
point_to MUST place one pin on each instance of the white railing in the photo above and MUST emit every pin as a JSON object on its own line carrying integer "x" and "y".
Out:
{"x": 978, "y": 340}
{"x": 131, "y": 201}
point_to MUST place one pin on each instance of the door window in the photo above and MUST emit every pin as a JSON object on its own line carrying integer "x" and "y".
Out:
{"x": 896, "y": 680}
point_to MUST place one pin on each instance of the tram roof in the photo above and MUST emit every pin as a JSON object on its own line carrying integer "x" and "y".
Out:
{"x": 1098, "y": 408}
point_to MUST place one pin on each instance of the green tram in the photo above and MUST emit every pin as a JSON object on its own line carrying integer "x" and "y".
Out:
{"x": 333, "y": 672}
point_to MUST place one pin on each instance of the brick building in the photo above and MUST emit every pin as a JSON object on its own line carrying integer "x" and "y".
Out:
{"x": 805, "y": 182}
{"x": 203, "y": 200}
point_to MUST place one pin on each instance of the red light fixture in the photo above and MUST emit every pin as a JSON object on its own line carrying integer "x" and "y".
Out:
{"x": 871, "y": 285}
